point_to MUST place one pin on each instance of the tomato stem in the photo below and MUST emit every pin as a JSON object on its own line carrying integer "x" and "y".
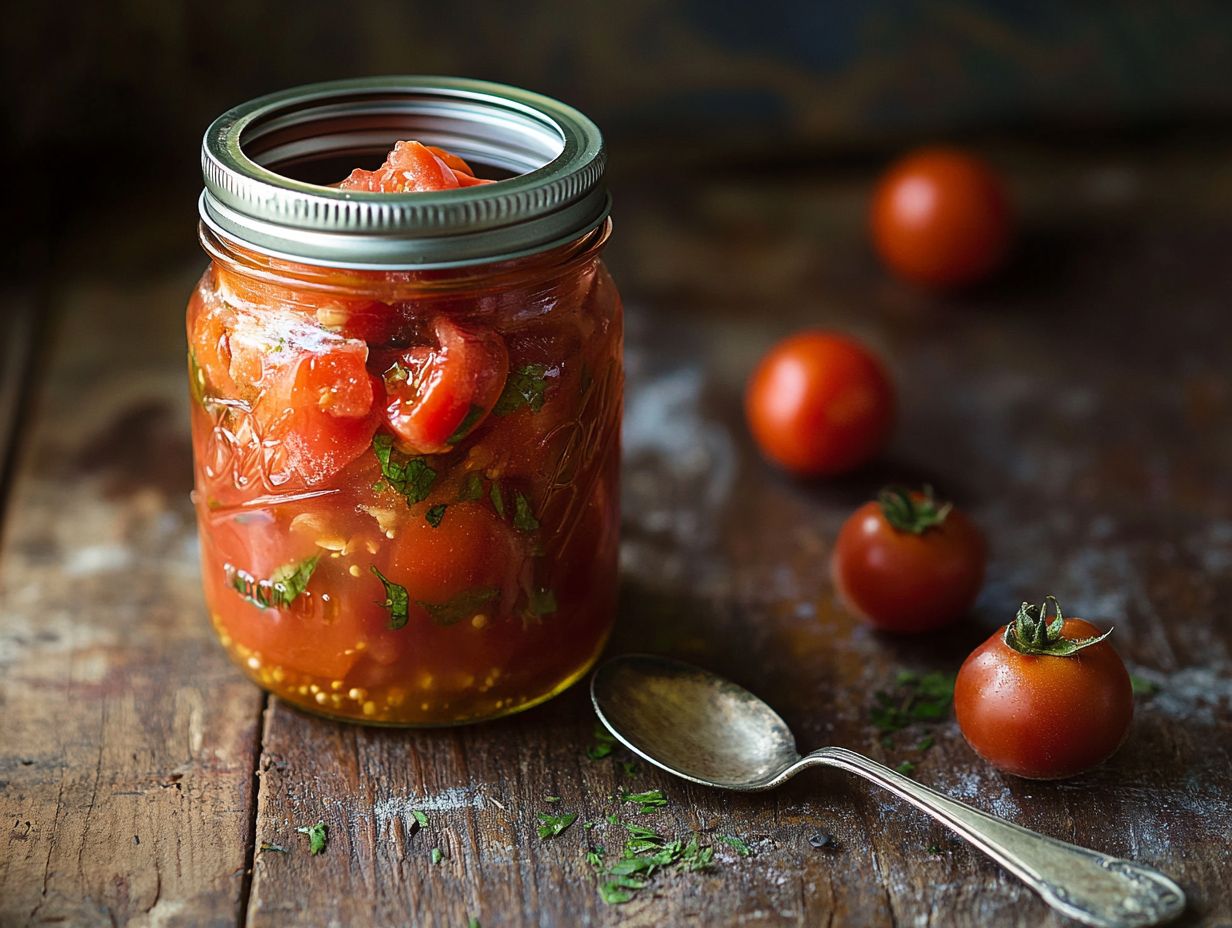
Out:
{"x": 1032, "y": 632}
{"x": 911, "y": 512}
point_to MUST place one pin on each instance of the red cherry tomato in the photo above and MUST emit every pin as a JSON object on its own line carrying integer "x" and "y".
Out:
{"x": 820, "y": 404}
{"x": 906, "y": 563}
{"x": 941, "y": 218}
{"x": 1044, "y": 716}
{"x": 439, "y": 395}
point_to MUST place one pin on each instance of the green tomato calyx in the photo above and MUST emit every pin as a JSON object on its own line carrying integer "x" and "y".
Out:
{"x": 1032, "y": 632}
{"x": 914, "y": 513}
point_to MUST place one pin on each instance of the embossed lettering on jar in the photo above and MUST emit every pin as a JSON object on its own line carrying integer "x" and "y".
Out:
{"x": 406, "y": 407}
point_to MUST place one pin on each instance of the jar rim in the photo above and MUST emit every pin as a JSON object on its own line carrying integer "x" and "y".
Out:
{"x": 556, "y": 154}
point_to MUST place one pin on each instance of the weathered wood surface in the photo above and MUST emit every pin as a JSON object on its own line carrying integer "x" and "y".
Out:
{"x": 1080, "y": 408}
{"x": 127, "y": 742}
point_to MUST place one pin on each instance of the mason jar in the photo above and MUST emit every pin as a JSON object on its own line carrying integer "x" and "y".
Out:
{"x": 358, "y": 561}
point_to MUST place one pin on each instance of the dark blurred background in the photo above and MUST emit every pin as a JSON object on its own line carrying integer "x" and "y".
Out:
{"x": 106, "y": 101}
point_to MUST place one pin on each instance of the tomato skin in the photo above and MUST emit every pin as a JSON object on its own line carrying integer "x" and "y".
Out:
{"x": 445, "y": 392}
{"x": 941, "y": 218}
{"x": 1044, "y": 717}
{"x": 898, "y": 581}
{"x": 820, "y": 404}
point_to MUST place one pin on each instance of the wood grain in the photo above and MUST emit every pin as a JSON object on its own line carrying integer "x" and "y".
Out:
{"x": 1079, "y": 408}
{"x": 127, "y": 743}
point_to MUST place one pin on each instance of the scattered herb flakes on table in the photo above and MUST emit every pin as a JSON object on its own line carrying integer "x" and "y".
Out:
{"x": 916, "y": 699}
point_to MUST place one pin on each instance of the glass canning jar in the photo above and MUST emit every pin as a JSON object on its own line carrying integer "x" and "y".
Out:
{"x": 353, "y": 564}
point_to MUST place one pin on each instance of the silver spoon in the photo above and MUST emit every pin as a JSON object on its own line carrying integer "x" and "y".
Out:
{"x": 706, "y": 729}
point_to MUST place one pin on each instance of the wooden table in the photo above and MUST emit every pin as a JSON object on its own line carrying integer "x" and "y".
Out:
{"x": 1081, "y": 407}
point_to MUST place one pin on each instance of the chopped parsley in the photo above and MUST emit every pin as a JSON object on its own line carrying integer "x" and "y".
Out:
{"x": 317, "y": 836}
{"x": 196, "y": 380}
{"x": 524, "y": 388}
{"x": 435, "y": 514}
{"x": 552, "y": 825}
{"x": 551, "y": 799}
{"x": 741, "y": 848}
{"x": 498, "y": 499}
{"x": 540, "y": 602}
{"x": 397, "y": 600}
{"x": 605, "y": 743}
{"x": 411, "y": 478}
{"x": 1142, "y": 686}
{"x": 916, "y": 699}
{"x": 420, "y": 819}
{"x": 648, "y": 801}
{"x": 473, "y": 488}
{"x": 473, "y": 415}
{"x": 437, "y": 855}
{"x": 523, "y": 518}
{"x": 645, "y": 853}
{"x": 284, "y": 586}
{"x": 463, "y": 606}
{"x": 629, "y": 767}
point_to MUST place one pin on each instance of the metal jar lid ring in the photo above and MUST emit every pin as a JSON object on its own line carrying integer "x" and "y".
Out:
{"x": 554, "y": 154}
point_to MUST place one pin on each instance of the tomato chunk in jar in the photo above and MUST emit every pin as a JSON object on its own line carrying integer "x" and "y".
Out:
{"x": 406, "y": 481}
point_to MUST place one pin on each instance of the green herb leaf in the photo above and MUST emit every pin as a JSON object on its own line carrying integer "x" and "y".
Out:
{"x": 629, "y": 767}
{"x": 463, "y": 606}
{"x": 540, "y": 602}
{"x": 472, "y": 489}
{"x": 473, "y": 415}
{"x": 906, "y": 768}
{"x": 437, "y": 855}
{"x": 523, "y": 518}
{"x": 317, "y": 836}
{"x": 525, "y": 387}
{"x": 648, "y": 801}
{"x": 1142, "y": 686}
{"x": 605, "y": 742}
{"x": 420, "y": 818}
{"x": 284, "y": 586}
{"x": 397, "y": 600}
{"x": 411, "y": 478}
{"x": 434, "y": 515}
{"x": 552, "y": 825}
{"x": 614, "y": 894}
{"x": 741, "y": 848}
{"x": 498, "y": 499}
{"x": 196, "y": 381}
{"x": 917, "y": 698}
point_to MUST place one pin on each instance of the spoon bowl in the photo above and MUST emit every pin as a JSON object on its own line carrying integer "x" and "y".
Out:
{"x": 692, "y": 723}
{"x": 699, "y": 726}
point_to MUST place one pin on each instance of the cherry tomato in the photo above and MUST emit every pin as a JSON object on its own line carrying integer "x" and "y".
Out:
{"x": 907, "y": 563}
{"x": 941, "y": 218}
{"x": 820, "y": 404}
{"x": 1039, "y": 714}
{"x": 439, "y": 395}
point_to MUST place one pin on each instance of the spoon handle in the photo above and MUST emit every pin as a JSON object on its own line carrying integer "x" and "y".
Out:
{"x": 1091, "y": 887}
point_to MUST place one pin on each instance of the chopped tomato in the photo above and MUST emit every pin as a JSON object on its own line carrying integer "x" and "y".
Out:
{"x": 438, "y": 395}
{"x": 412, "y": 167}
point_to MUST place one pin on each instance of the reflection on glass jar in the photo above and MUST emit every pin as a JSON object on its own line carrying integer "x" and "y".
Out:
{"x": 407, "y": 468}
